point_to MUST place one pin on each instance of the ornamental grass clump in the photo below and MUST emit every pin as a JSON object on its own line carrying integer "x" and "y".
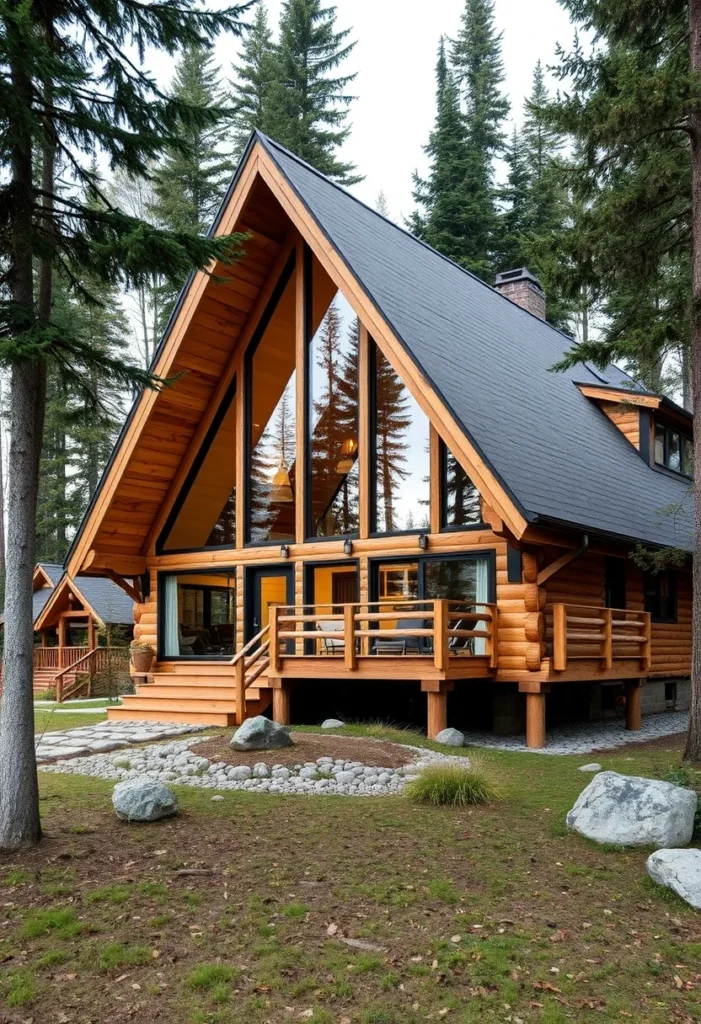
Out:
{"x": 451, "y": 785}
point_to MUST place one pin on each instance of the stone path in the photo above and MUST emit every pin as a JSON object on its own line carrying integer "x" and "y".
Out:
{"x": 584, "y": 737}
{"x": 104, "y": 737}
{"x": 178, "y": 764}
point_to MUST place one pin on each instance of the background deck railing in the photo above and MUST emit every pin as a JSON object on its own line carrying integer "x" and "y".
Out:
{"x": 583, "y": 632}
{"x": 444, "y": 630}
{"x": 76, "y": 678}
{"x": 58, "y": 657}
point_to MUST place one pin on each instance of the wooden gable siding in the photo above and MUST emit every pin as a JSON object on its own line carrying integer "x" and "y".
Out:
{"x": 627, "y": 420}
{"x": 201, "y": 361}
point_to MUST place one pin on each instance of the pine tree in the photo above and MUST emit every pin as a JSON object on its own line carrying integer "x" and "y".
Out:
{"x": 442, "y": 219}
{"x": 515, "y": 194}
{"x": 309, "y": 101}
{"x": 190, "y": 183}
{"x": 633, "y": 108}
{"x": 479, "y": 71}
{"x": 255, "y": 79}
{"x": 392, "y": 420}
{"x": 68, "y": 99}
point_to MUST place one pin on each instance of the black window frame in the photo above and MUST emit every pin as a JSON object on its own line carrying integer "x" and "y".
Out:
{"x": 619, "y": 568}
{"x": 161, "y": 576}
{"x": 421, "y": 559}
{"x": 684, "y": 440}
{"x": 445, "y": 527}
{"x": 655, "y": 612}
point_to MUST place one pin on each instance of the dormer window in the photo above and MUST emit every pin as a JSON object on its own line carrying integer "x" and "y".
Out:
{"x": 673, "y": 449}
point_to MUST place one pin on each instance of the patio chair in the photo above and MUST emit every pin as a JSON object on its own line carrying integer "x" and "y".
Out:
{"x": 403, "y": 644}
{"x": 457, "y": 644}
{"x": 332, "y": 644}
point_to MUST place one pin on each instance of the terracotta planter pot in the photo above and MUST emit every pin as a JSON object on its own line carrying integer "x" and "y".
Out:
{"x": 142, "y": 660}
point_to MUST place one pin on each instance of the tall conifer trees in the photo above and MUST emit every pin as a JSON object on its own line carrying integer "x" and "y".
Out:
{"x": 49, "y": 227}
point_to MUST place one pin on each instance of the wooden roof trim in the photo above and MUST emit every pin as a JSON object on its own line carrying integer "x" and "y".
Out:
{"x": 415, "y": 381}
{"x": 162, "y": 368}
{"x": 622, "y": 396}
{"x": 65, "y": 583}
{"x": 41, "y": 574}
{"x": 232, "y": 368}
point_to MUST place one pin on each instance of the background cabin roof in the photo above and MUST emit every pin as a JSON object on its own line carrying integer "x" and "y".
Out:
{"x": 52, "y": 570}
{"x": 108, "y": 601}
{"x": 559, "y": 456}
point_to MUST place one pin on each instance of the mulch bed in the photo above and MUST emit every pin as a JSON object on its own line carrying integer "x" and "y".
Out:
{"x": 309, "y": 747}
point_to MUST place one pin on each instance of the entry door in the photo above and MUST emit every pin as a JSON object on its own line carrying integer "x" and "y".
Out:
{"x": 266, "y": 586}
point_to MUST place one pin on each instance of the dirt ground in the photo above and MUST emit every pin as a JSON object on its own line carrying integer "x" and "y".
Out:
{"x": 308, "y": 747}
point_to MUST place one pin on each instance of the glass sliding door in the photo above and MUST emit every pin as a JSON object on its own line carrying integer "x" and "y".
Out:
{"x": 197, "y": 614}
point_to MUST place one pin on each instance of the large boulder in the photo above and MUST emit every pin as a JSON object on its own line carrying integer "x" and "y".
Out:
{"x": 679, "y": 870}
{"x": 632, "y": 811}
{"x": 260, "y": 733}
{"x": 451, "y": 738}
{"x": 143, "y": 800}
{"x": 332, "y": 723}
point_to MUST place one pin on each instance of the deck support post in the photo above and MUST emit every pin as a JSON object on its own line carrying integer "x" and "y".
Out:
{"x": 535, "y": 720}
{"x": 633, "y": 691}
{"x": 436, "y": 691}
{"x": 281, "y": 705}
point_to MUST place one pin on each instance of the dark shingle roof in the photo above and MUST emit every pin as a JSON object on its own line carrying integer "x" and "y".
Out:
{"x": 52, "y": 570}
{"x": 107, "y": 599}
{"x": 558, "y": 456}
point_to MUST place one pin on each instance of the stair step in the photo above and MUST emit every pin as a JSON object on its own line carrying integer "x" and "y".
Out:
{"x": 192, "y": 679}
{"x": 160, "y": 689}
{"x": 187, "y": 717}
{"x": 200, "y": 668}
{"x": 144, "y": 702}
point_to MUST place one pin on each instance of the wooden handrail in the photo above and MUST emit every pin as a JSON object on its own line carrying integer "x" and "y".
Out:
{"x": 598, "y": 637}
{"x": 248, "y": 664}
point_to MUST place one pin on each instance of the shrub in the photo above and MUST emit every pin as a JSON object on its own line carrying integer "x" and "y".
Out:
{"x": 451, "y": 785}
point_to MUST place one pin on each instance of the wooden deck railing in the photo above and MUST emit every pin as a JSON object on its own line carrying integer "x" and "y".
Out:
{"x": 444, "y": 630}
{"x": 78, "y": 676}
{"x": 583, "y": 632}
{"x": 249, "y": 663}
{"x": 58, "y": 657}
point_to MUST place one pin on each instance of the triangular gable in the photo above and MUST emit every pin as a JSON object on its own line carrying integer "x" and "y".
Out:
{"x": 59, "y": 601}
{"x": 135, "y": 494}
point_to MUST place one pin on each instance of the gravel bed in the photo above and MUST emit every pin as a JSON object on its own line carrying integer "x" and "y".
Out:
{"x": 586, "y": 737}
{"x": 178, "y": 764}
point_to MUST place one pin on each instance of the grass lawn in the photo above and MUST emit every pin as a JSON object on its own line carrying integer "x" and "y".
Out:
{"x": 46, "y": 721}
{"x": 236, "y": 910}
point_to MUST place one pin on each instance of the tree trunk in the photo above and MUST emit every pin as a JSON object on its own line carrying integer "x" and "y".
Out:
{"x": 693, "y": 743}
{"x": 2, "y": 509}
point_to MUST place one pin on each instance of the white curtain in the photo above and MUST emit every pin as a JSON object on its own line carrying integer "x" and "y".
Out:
{"x": 481, "y": 596}
{"x": 172, "y": 629}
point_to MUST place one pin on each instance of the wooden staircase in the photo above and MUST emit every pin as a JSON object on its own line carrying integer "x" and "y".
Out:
{"x": 209, "y": 693}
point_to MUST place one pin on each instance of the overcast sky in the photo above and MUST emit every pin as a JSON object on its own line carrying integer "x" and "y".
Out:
{"x": 395, "y": 60}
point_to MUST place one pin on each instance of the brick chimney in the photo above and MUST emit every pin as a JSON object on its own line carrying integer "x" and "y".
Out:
{"x": 523, "y": 288}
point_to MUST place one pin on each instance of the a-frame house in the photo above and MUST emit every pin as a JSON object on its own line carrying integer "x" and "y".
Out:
{"x": 365, "y": 470}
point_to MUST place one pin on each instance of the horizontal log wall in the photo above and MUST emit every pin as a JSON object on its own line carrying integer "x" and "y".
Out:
{"x": 627, "y": 421}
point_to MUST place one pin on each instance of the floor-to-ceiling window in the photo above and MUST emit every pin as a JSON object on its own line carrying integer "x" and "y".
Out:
{"x": 460, "y": 499}
{"x": 204, "y": 514}
{"x": 197, "y": 614}
{"x": 271, "y": 421}
{"x": 332, "y": 407}
{"x": 400, "y": 453}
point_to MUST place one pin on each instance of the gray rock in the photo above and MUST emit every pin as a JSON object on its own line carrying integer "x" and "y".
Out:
{"x": 345, "y": 778}
{"x": 260, "y": 770}
{"x": 261, "y": 733}
{"x": 143, "y": 800}
{"x": 217, "y": 798}
{"x": 593, "y": 767}
{"x": 240, "y": 773}
{"x": 679, "y": 870}
{"x": 634, "y": 811}
{"x": 451, "y": 738}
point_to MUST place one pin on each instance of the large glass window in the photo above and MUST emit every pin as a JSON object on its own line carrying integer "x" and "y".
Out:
{"x": 205, "y": 514}
{"x": 400, "y": 433}
{"x": 332, "y": 415}
{"x": 673, "y": 449}
{"x": 271, "y": 424}
{"x": 198, "y": 614}
{"x": 461, "y": 499}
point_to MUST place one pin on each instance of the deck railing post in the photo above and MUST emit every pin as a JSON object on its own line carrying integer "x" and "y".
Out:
{"x": 240, "y": 689}
{"x": 559, "y": 637}
{"x": 646, "y": 653}
{"x": 440, "y": 635}
{"x": 607, "y": 645}
{"x": 274, "y": 642}
{"x": 349, "y": 636}
{"x": 492, "y": 643}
